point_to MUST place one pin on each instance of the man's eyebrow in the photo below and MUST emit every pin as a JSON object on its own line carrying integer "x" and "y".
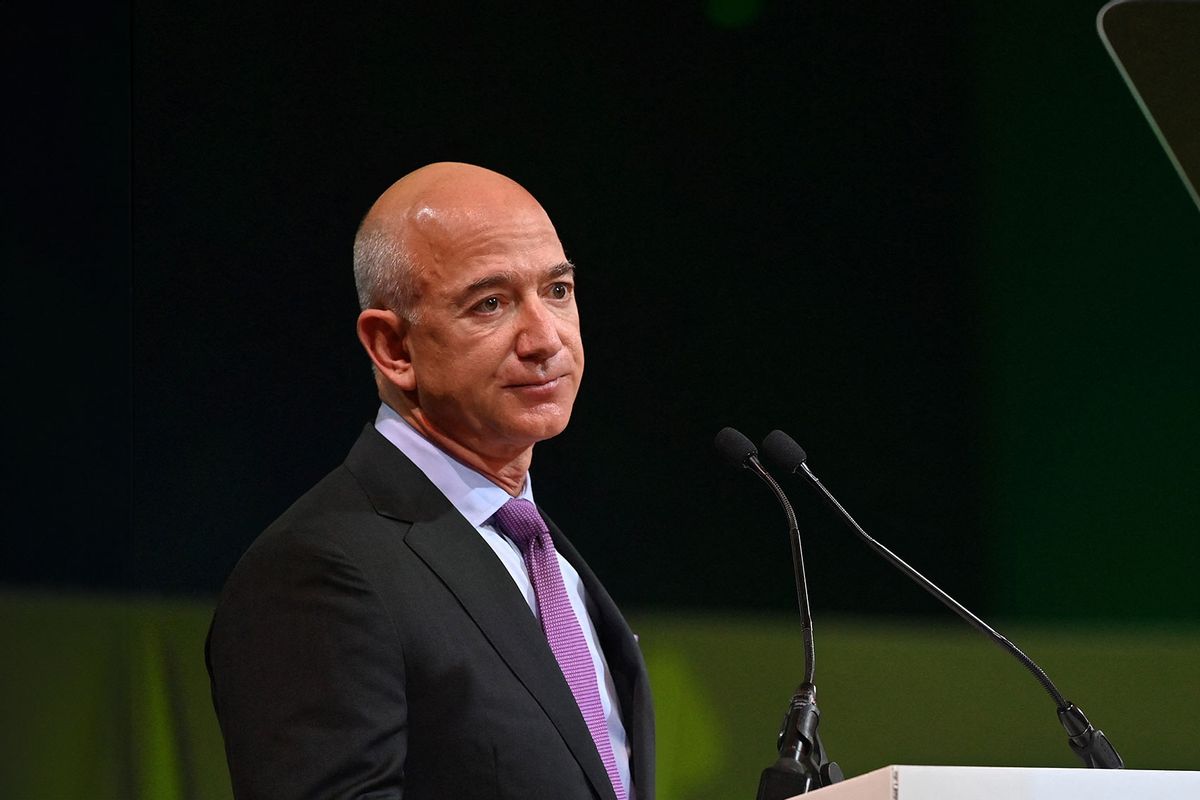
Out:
{"x": 559, "y": 270}
{"x": 506, "y": 278}
{"x": 488, "y": 282}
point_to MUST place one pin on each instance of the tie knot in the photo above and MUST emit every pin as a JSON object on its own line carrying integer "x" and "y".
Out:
{"x": 521, "y": 521}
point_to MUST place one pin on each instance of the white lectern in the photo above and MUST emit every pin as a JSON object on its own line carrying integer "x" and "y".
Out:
{"x": 904, "y": 782}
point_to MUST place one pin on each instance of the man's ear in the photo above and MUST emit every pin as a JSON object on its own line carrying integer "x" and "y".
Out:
{"x": 384, "y": 335}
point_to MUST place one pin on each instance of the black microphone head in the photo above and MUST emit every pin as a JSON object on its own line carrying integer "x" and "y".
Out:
{"x": 734, "y": 447}
{"x": 782, "y": 452}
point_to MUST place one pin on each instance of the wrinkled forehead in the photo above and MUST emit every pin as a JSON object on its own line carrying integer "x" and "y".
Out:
{"x": 449, "y": 229}
{"x": 460, "y": 247}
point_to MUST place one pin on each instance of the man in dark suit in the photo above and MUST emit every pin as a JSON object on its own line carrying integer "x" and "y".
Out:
{"x": 412, "y": 626}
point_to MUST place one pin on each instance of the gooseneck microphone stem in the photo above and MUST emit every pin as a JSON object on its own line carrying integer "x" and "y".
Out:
{"x": 934, "y": 590}
{"x": 806, "y": 629}
{"x": 802, "y": 764}
{"x": 1088, "y": 743}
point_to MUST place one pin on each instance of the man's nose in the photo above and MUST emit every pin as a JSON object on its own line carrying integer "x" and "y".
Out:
{"x": 537, "y": 334}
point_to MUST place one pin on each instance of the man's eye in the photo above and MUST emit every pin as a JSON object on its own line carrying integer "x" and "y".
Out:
{"x": 560, "y": 291}
{"x": 490, "y": 304}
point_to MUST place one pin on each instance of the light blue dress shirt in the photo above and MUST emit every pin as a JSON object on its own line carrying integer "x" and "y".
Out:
{"x": 478, "y": 499}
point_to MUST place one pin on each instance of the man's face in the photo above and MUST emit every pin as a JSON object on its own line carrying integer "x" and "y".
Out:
{"x": 495, "y": 348}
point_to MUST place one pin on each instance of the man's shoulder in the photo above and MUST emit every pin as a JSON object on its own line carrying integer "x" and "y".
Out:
{"x": 373, "y": 474}
{"x": 314, "y": 527}
{"x": 337, "y": 497}
{"x": 376, "y": 492}
{"x": 335, "y": 508}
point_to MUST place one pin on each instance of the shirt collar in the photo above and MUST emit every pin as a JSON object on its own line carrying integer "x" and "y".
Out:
{"x": 469, "y": 491}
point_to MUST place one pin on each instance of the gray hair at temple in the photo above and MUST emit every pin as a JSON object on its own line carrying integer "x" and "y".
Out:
{"x": 384, "y": 272}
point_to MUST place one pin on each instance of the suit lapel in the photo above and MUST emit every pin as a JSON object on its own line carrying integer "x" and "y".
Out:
{"x": 452, "y": 548}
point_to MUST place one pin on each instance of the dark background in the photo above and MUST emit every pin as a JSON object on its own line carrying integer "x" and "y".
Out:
{"x": 938, "y": 245}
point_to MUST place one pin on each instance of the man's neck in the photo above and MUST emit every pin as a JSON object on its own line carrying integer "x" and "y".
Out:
{"x": 508, "y": 471}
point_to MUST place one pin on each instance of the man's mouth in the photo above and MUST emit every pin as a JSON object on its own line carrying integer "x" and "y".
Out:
{"x": 541, "y": 383}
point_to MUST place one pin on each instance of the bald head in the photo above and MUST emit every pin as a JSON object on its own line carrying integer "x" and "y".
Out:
{"x": 424, "y": 218}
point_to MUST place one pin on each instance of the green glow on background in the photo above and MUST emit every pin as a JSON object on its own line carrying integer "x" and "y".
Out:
{"x": 733, "y": 13}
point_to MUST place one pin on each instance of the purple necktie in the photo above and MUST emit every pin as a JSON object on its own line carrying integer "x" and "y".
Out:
{"x": 524, "y": 525}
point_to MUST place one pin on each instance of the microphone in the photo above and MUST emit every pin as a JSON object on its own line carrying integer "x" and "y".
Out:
{"x": 1091, "y": 745}
{"x": 802, "y": 764}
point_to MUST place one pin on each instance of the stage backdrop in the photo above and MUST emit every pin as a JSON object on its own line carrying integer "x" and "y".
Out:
{"x": 939, "y": 245}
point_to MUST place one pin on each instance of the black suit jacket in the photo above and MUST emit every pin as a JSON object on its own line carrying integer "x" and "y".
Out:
{"x": 369, "y": 644}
